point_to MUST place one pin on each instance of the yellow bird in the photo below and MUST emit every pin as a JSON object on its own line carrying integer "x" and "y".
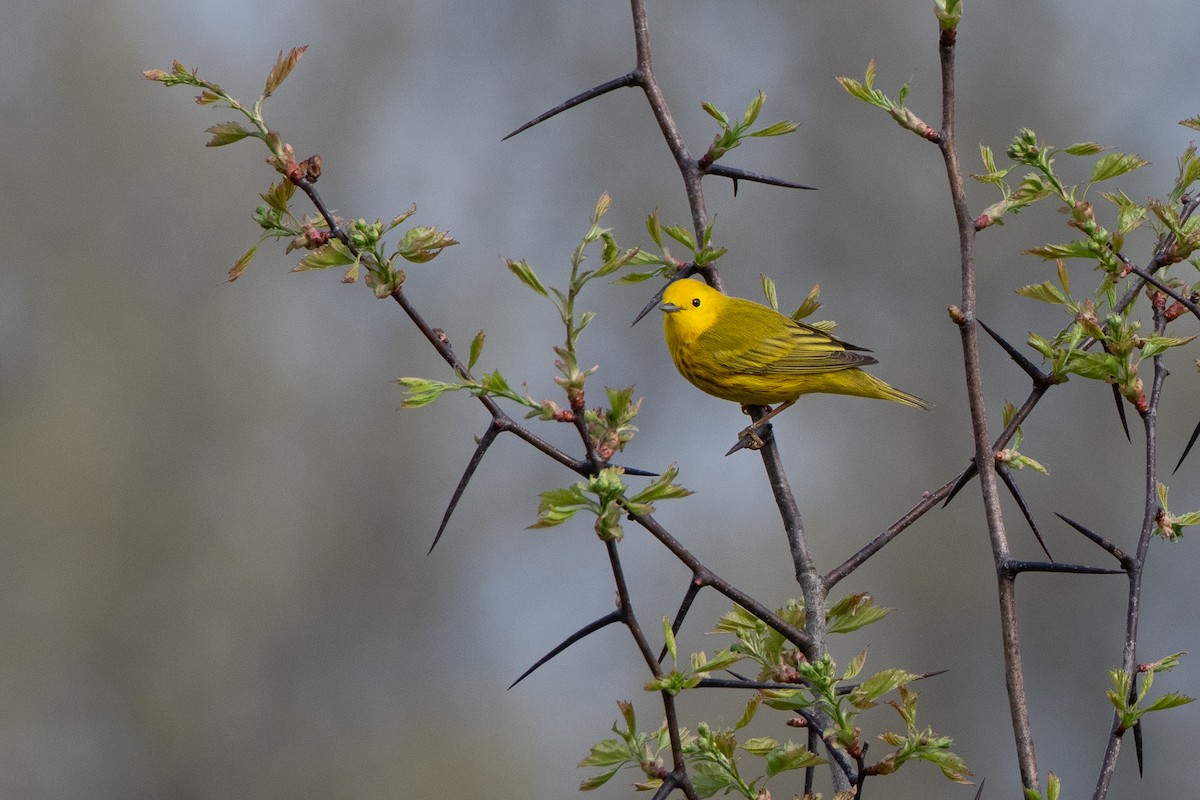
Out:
{"x": 739, "y": 350}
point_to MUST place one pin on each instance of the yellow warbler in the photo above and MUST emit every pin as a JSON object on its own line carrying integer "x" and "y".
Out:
{"x": 745, "y": 352}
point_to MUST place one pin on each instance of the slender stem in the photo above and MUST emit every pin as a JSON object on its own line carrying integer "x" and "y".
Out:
{"x": 1133, "y": 607}
{"x": 984, "y": 457}
{"x": 688, "y": 167}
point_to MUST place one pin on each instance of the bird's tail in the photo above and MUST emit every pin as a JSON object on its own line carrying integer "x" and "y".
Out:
{"x": 887, "y": 392}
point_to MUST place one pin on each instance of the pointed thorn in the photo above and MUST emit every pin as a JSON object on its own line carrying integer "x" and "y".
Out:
{"x": 694, "y": 587}
{"x": 1127, "y": 561}
{"x": 1188, "y": 449}
{"x": 485, "y": 442}
{"x": 735, "y": 174}
{"x": 1137, "y": 745}
{"x": 1006, "y": 476}
{"x": 1137, "y": 726}
{"x": 742, "y": 444}
{"x": 1016, "y": 355}
{"x": 970, "y": 472}
{"x": 641, "y": 473}
{"x": 586, "y": 630}
{"x": 686, "y": 272}
{"x": 629, "y": 79}
{"x": 979, "y": 791}
{"x": 1121, "y": 411}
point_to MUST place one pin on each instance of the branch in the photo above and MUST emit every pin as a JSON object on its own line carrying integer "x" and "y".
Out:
{"x": 984, "y": 455}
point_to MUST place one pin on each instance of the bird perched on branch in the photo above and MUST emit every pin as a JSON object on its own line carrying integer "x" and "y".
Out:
{"x": 739, "y": 350}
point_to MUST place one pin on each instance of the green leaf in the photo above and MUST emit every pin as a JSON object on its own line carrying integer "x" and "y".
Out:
{"x": 606, "y": 753}
{"x": 596, "y": 781}
{"x": 1168, "y": 700}
{"x": 1110, "y": 165}
{"x": 494, "y": 383}
{"x": 333, "y": 254}
{"x": 1129, "y": 214}
{"x": 283, "y": 67}
{"x": 240, "y": 265}
{"x": 854, "y": 612}
{"x": 880, "y": 684}
{"x": 1041, "y": 344}
{"x": 422, "y": 391}
{"x": 768, "y": 287}
{"x": 1191, "y": 122}
{"x": 669, "y": 635}
{"x": 760, "y": 745}
{"x": 528, "y": 277}
{"x": 1098, "y": 366}
{"x": 663, "y": 488}
{"x": 225, "y": 133}
{"x": 1075, "y": 249}
{"x": 681, "y": 235}
{"x": 278, "y": 195}
{"x": 654, "y": 228}
{"x": 1084, "y": 149}
{"x": 1046, "y": 292}
{"x": 791, "y": 756}
{"x": 476, "y": 349}
{"x": 559, "y": 505}
{"x": 715, "y": 113}
{"x": 1153, "y": 345}
{"x": 748, "y": 715}
{"x": 809, "y": 305}
{"x": 423, "y": 243}
{"x": 776, "y": 129}
{"x": 855, "y": 666}
{"x": 637, "y": 277}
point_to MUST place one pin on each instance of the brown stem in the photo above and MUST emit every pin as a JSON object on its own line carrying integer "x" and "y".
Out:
{"x": 1133, "y": 607}
{"x": 1006, "y": 581}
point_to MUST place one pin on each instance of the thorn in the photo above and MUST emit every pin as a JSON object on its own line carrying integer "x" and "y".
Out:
{"x": 1006, "y": 476}
{"x": 586, "y": 630}
{"x": 694, "y": 587}
{"x": 1024, "y": 363}
{"x": 1121, "y": 411}
{"x": 979, "y": 791}
{"x": 641, "y": 473}
{"x": 1188, "y": 449}
{"x": 686, "y": 272}
{"x": 628, "y": 79}
{"x": 1127, "y": 561}
{"x": 735, "y": 174}
{"x": 485, "y": 442}
{"x": 970, "y": 472}
{"x": 1137, "y": 726}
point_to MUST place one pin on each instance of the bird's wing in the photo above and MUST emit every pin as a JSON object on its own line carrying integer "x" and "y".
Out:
{"x": 796, "y": 349}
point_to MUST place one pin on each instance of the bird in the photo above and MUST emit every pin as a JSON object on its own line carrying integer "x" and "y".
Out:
{"x": 739, "y": 350}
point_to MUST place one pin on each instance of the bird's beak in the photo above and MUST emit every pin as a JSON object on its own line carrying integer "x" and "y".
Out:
{"x": 670, "y": 308}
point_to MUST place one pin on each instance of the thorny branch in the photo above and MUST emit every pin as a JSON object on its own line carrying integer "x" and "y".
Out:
{"x": 812, "y": 641}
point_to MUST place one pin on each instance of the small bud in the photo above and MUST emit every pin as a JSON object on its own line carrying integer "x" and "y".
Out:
{"x": 312, "y": 169}
{"x": 441, "y": 336}
{"x": 956, "y": 315}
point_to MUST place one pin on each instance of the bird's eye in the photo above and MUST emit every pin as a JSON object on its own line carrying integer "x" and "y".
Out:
{"x": 695, "y": 302}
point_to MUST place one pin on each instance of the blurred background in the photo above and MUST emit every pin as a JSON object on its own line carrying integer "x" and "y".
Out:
{"x": 213, "y": 569}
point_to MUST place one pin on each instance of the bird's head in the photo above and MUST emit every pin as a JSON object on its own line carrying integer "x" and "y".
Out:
{"x": 690, "y": 306}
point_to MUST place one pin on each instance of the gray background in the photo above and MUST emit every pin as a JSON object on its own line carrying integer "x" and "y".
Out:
{"x": 213, "y": 580}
